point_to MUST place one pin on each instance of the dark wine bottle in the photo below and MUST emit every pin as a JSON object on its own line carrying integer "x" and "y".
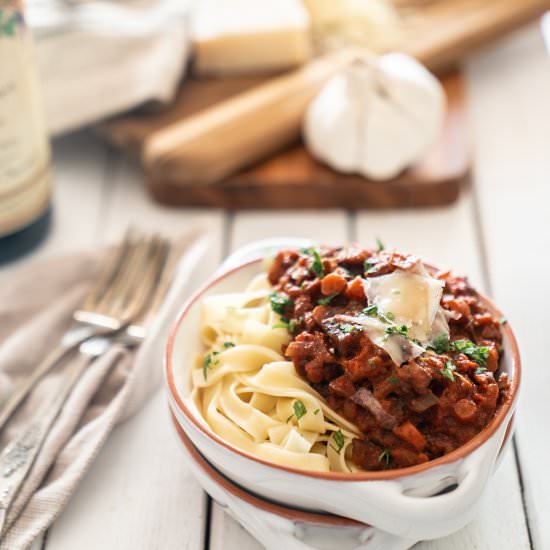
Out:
{"x": 25, "y": 160}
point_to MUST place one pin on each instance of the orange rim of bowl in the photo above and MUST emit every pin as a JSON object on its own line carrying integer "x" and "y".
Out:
{"x": 457, "y": 454}
{"x": 256, "y": 501}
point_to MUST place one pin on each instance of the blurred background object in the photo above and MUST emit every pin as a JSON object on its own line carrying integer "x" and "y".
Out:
{"x": 219, "y": 143}
{"x": 24, "y": 148}
{"x": 248, "y": 36}
{"x": 372, "y": 24}
{"x": 210, "y": 96}
{"x": 546, "y": 30}
{"x": 377, "y": 117}
{"x": 97, "y": 59}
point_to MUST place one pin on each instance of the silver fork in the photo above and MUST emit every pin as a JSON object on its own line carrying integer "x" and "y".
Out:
{"x": 19, "y": 455}
{"x": 115, "y": 299}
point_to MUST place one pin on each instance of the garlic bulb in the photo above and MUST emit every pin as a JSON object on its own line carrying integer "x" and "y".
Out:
{"x": 377, "y": 117}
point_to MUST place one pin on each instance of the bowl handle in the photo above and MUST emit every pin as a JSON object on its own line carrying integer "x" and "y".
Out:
{"x": 429, "y": 517}
{"x": 276, "y": 532}
{"x": 259, "y": 249}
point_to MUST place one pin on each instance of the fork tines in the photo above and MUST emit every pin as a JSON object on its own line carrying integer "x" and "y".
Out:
{"x": 126, "y": 283}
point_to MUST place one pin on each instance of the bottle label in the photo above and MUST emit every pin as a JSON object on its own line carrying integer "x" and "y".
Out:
{"x": 24, "y": 147}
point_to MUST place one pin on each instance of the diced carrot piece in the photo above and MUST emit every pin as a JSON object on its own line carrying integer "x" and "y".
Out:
{"x": 408, "y": 432}
{"x": 319, "y": 314}
{"x": 332, "y": 284}
{"x": 355, "y": 290}
{"x": 465, "y": 410}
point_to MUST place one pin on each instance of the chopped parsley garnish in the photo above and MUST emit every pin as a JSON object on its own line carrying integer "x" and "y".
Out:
{"x": 384, "y": 456}
{"x": 402, "y": 330}
{"x": 228, "y": 345}
{"x": 440, "y": 344}
{"x": 479, "y": 354}
{"x": 279, "y": 302}
{"x": 338, "y": 438}
{"x": 447, "y": 372}
{"x": 394, "y": 380}
{"x": 290, "y": 326}
{"x": 316, "y": 411}
{"x": 379, "y": 244}
{"x": 327, "y": 299}
{"x": 369, "y": 264}
{"x": 372, "y": 363}
{"x": 317, "y": 265}
{"x": 480, "y": 370}
{"x": 208, "y": 362}
{"x": 387, "y": 318}
{"x": 371, "y": 311}
{"x": 346, "y": 328}
{"x": 299, "y": 410}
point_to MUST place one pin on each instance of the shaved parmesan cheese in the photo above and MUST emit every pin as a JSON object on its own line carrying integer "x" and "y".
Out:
{"x": 407, "y": 315}
{"x": 399, "y": 348}
{"x": 410, "y": 299}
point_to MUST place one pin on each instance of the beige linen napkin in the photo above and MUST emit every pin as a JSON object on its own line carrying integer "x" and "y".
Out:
{"x": 35, "y": 309}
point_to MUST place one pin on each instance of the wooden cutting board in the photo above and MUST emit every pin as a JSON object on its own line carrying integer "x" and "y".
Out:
{"x": 292, "y": 178}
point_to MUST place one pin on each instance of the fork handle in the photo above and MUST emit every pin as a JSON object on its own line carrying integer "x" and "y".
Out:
{"x": 17, "y": 458}
{"x": 24, "y": 388}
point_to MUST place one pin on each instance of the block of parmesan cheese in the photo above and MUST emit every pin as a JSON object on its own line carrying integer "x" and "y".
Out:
{"x": 371, "y": 24}
{"x": 250, "y": 36}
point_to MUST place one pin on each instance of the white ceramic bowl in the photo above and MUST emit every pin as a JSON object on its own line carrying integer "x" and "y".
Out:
{"x": 404, "y": 502}
{"x": 276, "y": 526}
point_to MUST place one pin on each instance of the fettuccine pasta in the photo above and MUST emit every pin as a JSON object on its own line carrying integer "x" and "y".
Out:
{"x": 253, "y": 398}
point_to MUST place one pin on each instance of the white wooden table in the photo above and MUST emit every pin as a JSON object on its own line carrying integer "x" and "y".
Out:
{"x": 139, "y": 495}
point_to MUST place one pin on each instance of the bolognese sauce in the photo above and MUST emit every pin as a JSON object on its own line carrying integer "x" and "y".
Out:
{"x": 415, "y": 388}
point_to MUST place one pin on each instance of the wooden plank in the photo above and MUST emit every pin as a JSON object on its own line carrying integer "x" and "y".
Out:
{"x": 509, "y": 91}
{"x": 331, "y": 227}
{"x": 448, "y": 238}
{"x": 128, "y": 203}
{"x": 139, "y": 493}
{"x": 79, "y": 162}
